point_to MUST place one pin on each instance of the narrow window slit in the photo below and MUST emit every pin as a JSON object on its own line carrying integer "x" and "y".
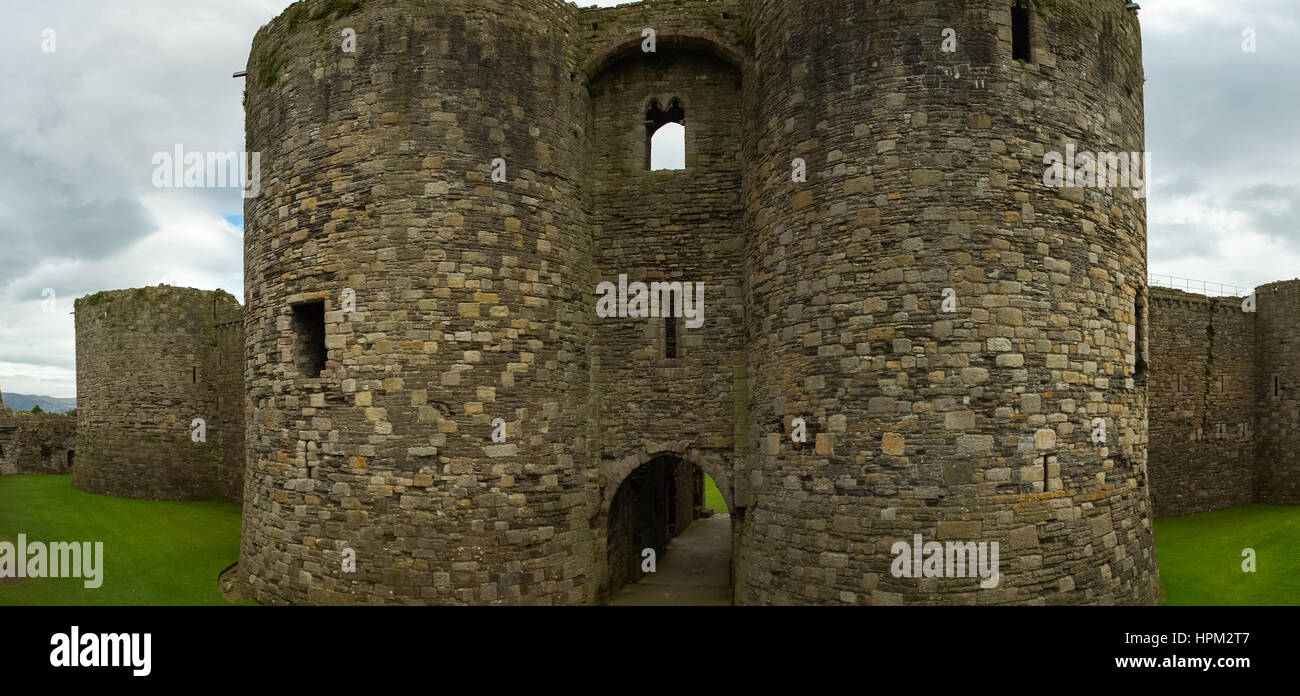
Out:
{"x": 670, "y": 337}
{"x": 1020, "y": 32}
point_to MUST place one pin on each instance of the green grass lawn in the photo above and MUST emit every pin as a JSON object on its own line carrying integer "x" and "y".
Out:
{"x": 155, "y": 552}
{"x": 1200, "y": 556}
{"x": 713, "y": 497}
{"x": 169, "y": 553}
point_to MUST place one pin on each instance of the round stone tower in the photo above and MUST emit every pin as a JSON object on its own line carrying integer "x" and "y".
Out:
{"x": 158, "y": 415}
{"x": 418, "y": 335}
{"x": 925, "y": 127}
{"x": 1277, "y": 377}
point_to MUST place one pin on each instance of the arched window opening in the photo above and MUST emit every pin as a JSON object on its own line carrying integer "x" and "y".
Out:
{"x": 665, "y": 136}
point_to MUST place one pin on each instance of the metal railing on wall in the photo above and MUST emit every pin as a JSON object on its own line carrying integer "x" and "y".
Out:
{"x": 1200, "y": 287}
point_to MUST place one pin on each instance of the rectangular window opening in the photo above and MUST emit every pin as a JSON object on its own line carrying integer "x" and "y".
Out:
{"x": 1020, "y": 32}
{"x": 194, "y": 375}
{"x": 670, "y": 337}
{"x": 309, "y": 338}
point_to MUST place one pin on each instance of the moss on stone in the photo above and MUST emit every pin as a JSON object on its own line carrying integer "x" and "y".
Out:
{"x": 1064, "y": 10}
{"x": 269, "y": 63}
{"x": 335, "y": 9}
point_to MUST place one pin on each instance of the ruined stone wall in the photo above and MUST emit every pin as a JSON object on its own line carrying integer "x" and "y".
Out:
{"x": 33, "y": 443}
{"x": 925, "y": 172}
{"x": 681, "y": 225}
{"x": 150, "y": 362}
{"x": 1277, "y": 393}
{"x": 1202, "y": 453}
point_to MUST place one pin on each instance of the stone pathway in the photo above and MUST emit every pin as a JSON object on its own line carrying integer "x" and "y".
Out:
{"x": 695, "y": 571}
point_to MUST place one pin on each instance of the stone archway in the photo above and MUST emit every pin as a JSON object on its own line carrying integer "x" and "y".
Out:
{"x": 652, "y": 501}
{"x": 611, "y": 52}
{"x": 712, "y": 462}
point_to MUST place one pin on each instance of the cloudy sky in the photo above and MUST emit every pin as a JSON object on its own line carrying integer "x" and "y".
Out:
{"x": 80, "y": 125}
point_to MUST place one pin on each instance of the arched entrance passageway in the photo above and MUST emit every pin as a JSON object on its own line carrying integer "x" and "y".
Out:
{"x": 665, "y": 506}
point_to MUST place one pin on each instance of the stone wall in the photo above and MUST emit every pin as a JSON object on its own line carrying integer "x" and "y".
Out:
{"x": 36, "y": 443}
{"x": 472, "y": 303}
{"x": 687, "y": 496}
{"x": 1277, "y": 393}
{"x": 1223, "y": 416}
{"x": 476, "y": 168}
{"x": 925, "y": 172}
{"x": 150, "y": 361}
{"x": 226, "y": 362}
{"x": 1202, "y": 395}
{"x": 666, "y": 226}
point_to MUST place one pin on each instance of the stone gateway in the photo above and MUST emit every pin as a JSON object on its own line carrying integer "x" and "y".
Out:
{"x": 475, "y": 168}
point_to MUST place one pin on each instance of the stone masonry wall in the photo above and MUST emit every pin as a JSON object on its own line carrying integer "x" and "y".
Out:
{"x": 226, "y": 362}
{"x": 1277, "y": 393}
{"x": 473, "y": 303}
{"x": 925, "y": 172}
{"x": 35, "y": 443}
{"x": 1203, "y": 440}
{"x": 687, "y": 496}
{"x": 668, "y": 226}
{"x": 150, "y": 362}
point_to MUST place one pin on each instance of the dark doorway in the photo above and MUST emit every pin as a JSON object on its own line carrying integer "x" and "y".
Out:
{"x": 662, "y": 508}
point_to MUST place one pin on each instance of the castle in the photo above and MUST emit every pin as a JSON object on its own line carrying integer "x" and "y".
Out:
{"x": 908, "y": 334}
{"x": 440, "y": 205}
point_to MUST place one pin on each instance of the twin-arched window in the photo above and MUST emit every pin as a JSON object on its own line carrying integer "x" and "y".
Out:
{"x": 665, "y": 136}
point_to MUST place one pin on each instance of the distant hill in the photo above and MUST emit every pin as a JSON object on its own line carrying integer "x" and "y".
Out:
{"x": 50, "y": 404}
